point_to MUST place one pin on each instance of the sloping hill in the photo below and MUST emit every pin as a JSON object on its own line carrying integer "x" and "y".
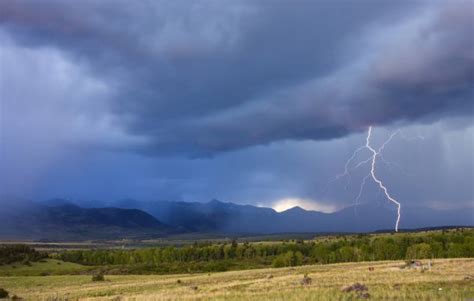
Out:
{"x": 29, "y": 220}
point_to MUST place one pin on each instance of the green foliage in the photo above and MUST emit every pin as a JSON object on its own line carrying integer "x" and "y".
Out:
{"x": 15, "y": 253}
{"x": 419, "y": 251}
{"x": 288, "y": 259}
{"x": 98, "y": 277}
{"x": 213, "y": 257}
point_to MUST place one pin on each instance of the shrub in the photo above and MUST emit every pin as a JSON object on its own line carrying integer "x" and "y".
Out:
{"x": 419, "y": 251}
{"x": 282, "y": 260}
{"x": 3, "y": 293}
{"x": 287, "y": 259}
{"x": 98, "y": 277}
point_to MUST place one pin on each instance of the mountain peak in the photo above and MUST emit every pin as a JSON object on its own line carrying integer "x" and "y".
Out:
{"x": 295, "y": 209}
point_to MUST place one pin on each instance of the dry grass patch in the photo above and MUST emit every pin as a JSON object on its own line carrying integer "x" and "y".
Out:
{"x": 445, "y": 281}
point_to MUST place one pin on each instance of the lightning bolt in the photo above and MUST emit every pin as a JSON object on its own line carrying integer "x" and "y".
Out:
{"x": 375, "y": 157}
{"x": 347, "y": 170}
{"x": 374, "y": 176}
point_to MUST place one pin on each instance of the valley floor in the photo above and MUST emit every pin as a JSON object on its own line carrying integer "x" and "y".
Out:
{"x": 448, "y": 279}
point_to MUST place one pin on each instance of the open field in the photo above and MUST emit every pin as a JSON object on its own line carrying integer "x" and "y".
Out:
{"x": 43, "y": 268}
{"x": 448, "y": 279}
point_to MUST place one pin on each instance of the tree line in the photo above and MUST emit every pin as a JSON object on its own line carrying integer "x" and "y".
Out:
{"x": 233, "y": 255}
{"x": 19, "y": 253}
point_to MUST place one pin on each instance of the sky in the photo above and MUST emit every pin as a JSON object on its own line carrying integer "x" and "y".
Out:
{"x": 252, "y": 102}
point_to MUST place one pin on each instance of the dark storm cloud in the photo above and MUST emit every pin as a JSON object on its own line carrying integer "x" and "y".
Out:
{"x": 199, "y": 78}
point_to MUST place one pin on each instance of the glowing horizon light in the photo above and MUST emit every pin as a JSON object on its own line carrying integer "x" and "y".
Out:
{"x": 288, "y": 203}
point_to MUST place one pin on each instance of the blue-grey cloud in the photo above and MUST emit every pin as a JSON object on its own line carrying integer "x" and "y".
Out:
{"x": 268, "y": 97}
{"x": 208, "y": 77}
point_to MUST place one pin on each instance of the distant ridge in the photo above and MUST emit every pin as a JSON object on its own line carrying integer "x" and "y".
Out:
{"x": 61, "y": 220}
{"x": 223, "y": 217}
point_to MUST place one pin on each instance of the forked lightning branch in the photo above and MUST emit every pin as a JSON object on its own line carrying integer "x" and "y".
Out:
{"x": 375, "y": 155}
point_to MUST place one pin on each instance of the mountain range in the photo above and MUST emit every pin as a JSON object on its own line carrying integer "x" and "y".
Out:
{"x": 217, "y": 216}
{"x": 64, "y": 220}
{"x": 20, "y": 219}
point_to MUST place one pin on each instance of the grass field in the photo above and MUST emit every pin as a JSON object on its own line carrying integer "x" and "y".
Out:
{"x": 43, "y": 268}
{"x": 448, "y": 279}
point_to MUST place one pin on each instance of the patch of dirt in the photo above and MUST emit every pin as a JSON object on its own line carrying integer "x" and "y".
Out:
{"x": 360, "y": 289}
{"x": 356, "y": 287}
